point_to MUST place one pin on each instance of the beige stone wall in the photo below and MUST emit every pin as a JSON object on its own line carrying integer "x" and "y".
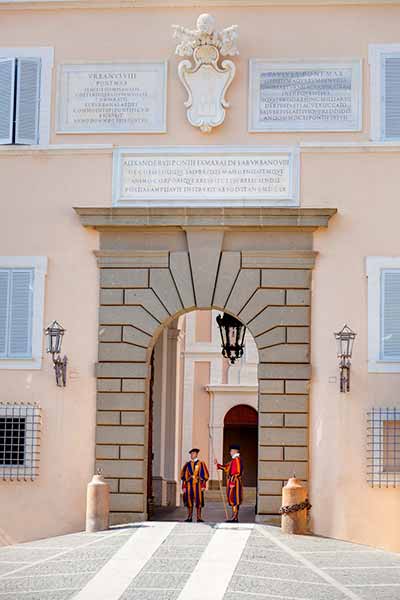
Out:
{"x": 270, "y": 32}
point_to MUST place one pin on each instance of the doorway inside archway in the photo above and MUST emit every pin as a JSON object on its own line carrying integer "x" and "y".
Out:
{"x": 199, "y": 399}
{"x": 241, "y": 427}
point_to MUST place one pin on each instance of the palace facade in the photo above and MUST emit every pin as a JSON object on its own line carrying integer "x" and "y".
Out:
{"x": 154, "y": 164}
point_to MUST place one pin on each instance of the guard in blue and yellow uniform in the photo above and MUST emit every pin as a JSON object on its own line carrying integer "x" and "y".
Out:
{"x": 234, "y": 483}
{"x": 194, "y": 476}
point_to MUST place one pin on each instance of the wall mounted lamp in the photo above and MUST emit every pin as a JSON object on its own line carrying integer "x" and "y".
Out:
{"x": 345, "y": 340}
{"x": 54, "y": 336}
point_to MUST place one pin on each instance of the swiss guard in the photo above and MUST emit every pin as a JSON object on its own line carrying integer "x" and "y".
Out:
{"x": 234, "y": 484}
{"x": 194, "y": 476}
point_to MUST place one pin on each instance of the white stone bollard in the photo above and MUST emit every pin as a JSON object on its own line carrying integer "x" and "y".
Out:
{"x": 97, "y": 504}
{"x": 294, "y": 496}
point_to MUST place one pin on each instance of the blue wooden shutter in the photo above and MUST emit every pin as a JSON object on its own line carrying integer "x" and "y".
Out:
{"x": 4, "y": 309}
{"x": 391, "y": 96}
{"x": 390, "y": 315}
{"x": 7, "y": 94}
{"x": 28, "y": 98}
{"x": 20, "y": 319}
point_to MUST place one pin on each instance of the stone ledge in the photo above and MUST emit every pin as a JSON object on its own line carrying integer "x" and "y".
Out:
{"x": 280, "y": 259}
{"x": 118, "y": 4}
{"x": 213, "y": 218}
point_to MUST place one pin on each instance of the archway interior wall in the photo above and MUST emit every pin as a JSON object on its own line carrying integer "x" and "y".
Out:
{"x": 142, "y": 288}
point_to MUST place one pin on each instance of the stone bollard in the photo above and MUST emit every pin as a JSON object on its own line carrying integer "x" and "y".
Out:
{"x": 295, "y": 507}
{"x": 97, "y": 504}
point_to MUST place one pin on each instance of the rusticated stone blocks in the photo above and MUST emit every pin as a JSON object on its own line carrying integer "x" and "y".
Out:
{"x": 140, "y": 292}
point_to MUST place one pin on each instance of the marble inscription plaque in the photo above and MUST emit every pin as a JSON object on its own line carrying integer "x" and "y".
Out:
{"x": 300, "y": 96}
{"x": 212, "y": 176}
{"x": 112, "y": 98}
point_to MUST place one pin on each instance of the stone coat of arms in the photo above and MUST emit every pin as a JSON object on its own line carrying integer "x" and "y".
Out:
{"x": 205, "y": 80}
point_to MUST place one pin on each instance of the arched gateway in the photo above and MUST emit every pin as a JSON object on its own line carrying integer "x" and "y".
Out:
{"x": 155, "y": 264}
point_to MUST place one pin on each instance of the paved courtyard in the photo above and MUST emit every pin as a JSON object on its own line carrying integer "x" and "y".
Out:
{"x": 163, "y": 560}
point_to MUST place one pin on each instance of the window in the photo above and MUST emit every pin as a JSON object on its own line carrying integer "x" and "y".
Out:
{"x": 21, "y": 311}
{"x": 25, "y": 94}
{"x": 19, "y": 441}
{"x": 383, "y": 314}
{"x": 385, "y": 91}
{"x": 16, "y": 299}
{"x": 384, "y": 447}
{"x": 390, "y": 314}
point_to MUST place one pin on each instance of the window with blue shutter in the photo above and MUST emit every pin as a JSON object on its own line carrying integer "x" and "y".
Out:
{"x": 390, "y": 314}
{"x": 7, "y": 99}
{"x": 19, "y": 100}
{"x": 16, "y": 312}
{"x": 390, "y": 81}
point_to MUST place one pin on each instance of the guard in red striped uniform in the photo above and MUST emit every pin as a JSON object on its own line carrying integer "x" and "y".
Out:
{"x": 234, "y": 484}
{"x": 194, "y": 477}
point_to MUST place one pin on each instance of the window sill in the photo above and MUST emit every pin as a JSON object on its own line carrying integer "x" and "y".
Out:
{"x": 20, "y": 363}
{"x": 383, "y": 366}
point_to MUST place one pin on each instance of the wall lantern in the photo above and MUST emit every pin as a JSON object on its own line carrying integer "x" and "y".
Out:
{"x": 232, "y": 336}
{"x": 54, "y": 336}
{"x": 345, "y": 340}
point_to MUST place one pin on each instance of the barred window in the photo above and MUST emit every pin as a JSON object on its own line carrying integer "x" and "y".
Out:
{"x": 384, "y": 447}
{"x": 19, "y": 441}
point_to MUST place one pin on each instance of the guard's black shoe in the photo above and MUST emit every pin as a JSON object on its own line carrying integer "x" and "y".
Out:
{"x": 200, "y": 521}
{"x": 188, "y": 520}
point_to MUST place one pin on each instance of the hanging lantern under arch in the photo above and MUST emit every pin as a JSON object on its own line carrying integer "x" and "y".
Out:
{"x": 232, "y": 337}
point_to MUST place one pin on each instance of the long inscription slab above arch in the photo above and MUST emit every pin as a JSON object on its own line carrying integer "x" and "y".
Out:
{"x": 206, "y": 176}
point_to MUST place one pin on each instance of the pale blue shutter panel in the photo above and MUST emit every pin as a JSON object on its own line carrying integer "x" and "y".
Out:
{"x": 391, "y": 97}
{"x": 4, "y": 309}
{"x": 7, "y": 94}
{"x": 390, "y": 330}
{"x": 21, "y": 304}
{"x": 28, "y": 98}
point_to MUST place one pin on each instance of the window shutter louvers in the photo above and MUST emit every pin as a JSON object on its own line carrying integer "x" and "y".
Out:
{"x": 28, "y": 98}
{"x": 4, "y": 305}
{"x": 391, "y": 97}
{"x": 20, "y": 313}
{"x": 7, "y": 83}
{"x": 390, "y": 334}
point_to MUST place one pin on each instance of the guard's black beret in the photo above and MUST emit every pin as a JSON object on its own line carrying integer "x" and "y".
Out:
{"x": 194, "y": 450}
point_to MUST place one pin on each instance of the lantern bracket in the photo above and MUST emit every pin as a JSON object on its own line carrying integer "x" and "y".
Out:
{"x": 60, "y": 369}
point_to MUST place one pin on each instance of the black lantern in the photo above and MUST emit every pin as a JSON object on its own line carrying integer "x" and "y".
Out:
{"x": 232, "y": 336}
{"x": 54, "y": 336}
{"x": 345, "y": 340}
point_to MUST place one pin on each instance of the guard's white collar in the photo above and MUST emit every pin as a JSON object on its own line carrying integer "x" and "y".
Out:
{"x": 236, "y": 455}
{"x": 195, "y": 459}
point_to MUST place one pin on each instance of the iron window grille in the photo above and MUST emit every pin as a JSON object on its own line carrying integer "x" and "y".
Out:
{"x": 19, "y": 441}
{"x": 384, "y": 447}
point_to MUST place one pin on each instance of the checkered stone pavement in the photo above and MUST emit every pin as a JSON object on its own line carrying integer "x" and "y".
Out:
{"x": 190, "y": 561}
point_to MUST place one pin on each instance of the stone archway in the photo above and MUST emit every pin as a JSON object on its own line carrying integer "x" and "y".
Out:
{"x": 156, "y": 264}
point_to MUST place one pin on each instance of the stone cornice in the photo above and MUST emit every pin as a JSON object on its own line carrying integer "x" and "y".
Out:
{"x": 205, "y": 218}
{"x": 56, "y": 150}
{"x": 319, "y": 147}
{"x": 228, "y": 388}
{"x": 124, "y": 4}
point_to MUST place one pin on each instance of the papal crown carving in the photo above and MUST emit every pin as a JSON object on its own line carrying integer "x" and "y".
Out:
{"x": 205, "y": 80}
